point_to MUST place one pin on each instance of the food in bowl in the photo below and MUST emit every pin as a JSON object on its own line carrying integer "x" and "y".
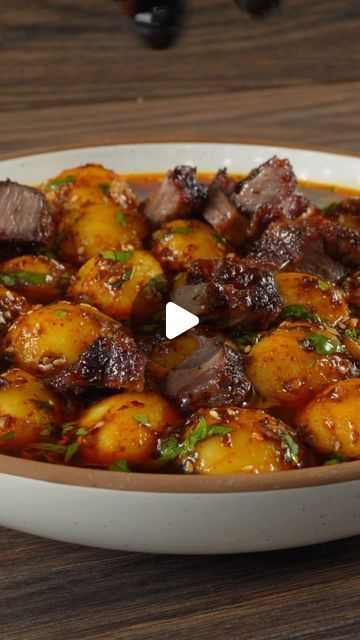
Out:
{"x": 268, "y": 380}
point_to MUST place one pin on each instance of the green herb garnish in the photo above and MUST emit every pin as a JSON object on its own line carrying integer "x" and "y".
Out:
{"x": 120, "y": 217}
{"x": 60, "y": 313}
{"x": 120, "y": 465}
{"x": 202, "y": 431}
{"x": 291, "y": 449}
{"x": 7, "y": 436}
{"x": 246, "y": 340}
{"x": 181, "y": 230}
{"x": 67, "y": 427}
{"x": 336, "y": 458}
{"x": 323, "y": 285}
{"x": 49, "y": 446}
{"x": 141, "y": 418}
{"x": 218, "y": 238}
{"x": 105, "y": 188}
{"x": 117, "y": 256}
{"x": 117, "y": 284}
{"x": 18, "y": 278}
{"x": 47, "y": 431}
{"x": 61, "y": 182}
{"x": 70, "y": 451}
{"x": 298, "y": 312}
{"x": 330, "y": 208}
{"x": 82, "y": 432}
{"x": 322, "y": 344}
{"x": 169, "y": 449}
{"x": 350, "y": 333}
{"x": 43, "y": 404}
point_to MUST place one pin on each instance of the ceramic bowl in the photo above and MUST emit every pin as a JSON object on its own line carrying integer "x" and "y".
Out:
{"x": 182, "y": 514}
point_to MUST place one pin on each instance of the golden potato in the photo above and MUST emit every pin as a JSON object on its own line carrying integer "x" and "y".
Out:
{"x": 126, "y": 428}
{"x": 233, "y": 440}
{"x": 300, "y": 290}
{"x": 38, "y": 278}
{"x": 27, "y": 409}
{"x": 12, "y": 305}
{"x": 178, "y": 243}
{"x": 331, "y": 422}
{"x": 47, "y": 339}
{"x": 296, "y": 361}
{"x": 111, "y": 282}
{"x": 89, "y": 184}
{"x": 98, "y": 227}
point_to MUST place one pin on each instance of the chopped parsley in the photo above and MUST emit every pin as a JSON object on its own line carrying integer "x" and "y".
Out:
{"x": 117, "y": 284}
{"x": 218, "y": 238}
{"x": 105, "y": 188}
{"x": 298, "y": 312}
{"x": 43, "y": 404}
{"x": 322, "y": 344}
{"x": 181, "y": 230}
{"x": 120, "y": 217}
{"x": 323, "y": 285}
{"x": 202, "y": 431}
{"x": 141, "y": 418}
{"x": 120, "y": 465}
{"x": 18, "y": 278}
{"x": 117, "y": 256}
{"x": 60, "y": 313}
{"x": 61, "y": 182}
{"x": 7, "y": 436}
{"x": 330, "y": 208}
{"x": 291, "y": 449}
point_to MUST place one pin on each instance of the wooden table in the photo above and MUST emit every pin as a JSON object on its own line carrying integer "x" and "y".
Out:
{"x": 72, "y": 72}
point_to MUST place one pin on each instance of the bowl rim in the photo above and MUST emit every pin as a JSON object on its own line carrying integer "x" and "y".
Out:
{"x": 176, "y": 483}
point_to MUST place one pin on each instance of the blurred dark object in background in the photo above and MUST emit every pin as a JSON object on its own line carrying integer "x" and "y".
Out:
{"x": 158, "y": 22}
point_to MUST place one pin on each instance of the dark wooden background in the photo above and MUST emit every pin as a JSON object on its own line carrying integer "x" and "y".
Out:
{"x": 72, "y": 72}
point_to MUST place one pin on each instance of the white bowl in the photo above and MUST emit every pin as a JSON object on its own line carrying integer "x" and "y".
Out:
{"x": 182, "y": 514}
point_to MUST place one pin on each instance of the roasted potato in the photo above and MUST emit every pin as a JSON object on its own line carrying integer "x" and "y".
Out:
{"x": 296, "y": 361}
{"x": 178, "y": 243}
{"x": 233, "y": 440}
{"x": 27, "y": 408}
{"x": 47, "y": 339}
{"x": 331, "y": 422}
{"x": 98, "y": 227}
{"x": 112, "y": 281}
{"x": 76, "y": 188}
{"x": 12, "y": 305}
{"x": 125, "y": 428}
{"x": 302, "y": 293}
{"x": 38, "y": 278}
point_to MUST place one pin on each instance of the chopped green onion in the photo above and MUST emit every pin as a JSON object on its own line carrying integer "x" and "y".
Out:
{"x": 141, "y": 418}
{"x": 61, "y": 182}
{"x": 322, "y": 344}
{"x": 121, "y": 466}
{"x": 117, "y": 256}
{"x": 120, "y": 217}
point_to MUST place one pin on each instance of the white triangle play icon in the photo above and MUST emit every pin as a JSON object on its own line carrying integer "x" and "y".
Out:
{"x": 178, "y": 320}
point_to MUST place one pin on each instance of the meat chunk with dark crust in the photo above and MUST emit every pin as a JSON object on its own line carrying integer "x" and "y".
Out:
{"x": 352, "y": 287}
{"x": 342, "y": 232}
{"x": 268, "y": 194}
{"x": 25, "y": 218}
{"x": 179, "y": 196}
{"x": 211, "y": 376}
{"x": 298, "y": 246}
{"x": 110, "y": 362}
{"x": 222, "y": 213}
{"x": 230, "y": 293}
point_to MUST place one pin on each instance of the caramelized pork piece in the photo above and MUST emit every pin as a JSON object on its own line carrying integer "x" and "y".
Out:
{"x": 210, "y": 376}
{"x": 110, "y": 362}
{"x": 25, "y": 218}
{"x": 352, "y": 287}
{"x": 269, "y": 194}
{"x": 179, "y": 196}
{"x": 342, "y": 232}
{"x": 300, "y": 247}
{"x": 230, "y": 293}
{"x": 222, "y": 213}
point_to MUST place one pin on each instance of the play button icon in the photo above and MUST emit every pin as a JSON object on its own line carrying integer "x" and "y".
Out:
{"x": 178, "y": 320}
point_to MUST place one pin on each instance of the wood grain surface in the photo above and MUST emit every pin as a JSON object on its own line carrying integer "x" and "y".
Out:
{"x": 73, "y": 72}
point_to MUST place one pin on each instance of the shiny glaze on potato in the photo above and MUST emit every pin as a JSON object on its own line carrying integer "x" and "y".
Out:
{"x": 331, "y": 422}
{"x": 178, "y": 243}
{"x": 39, "y": 278}
{"x": 27, "y": 410}
{"x": 234, "y": 440}
{"x": 294, "y": 362}
{"x": 112, "y": 281}
{"x": 125, "y": 427}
